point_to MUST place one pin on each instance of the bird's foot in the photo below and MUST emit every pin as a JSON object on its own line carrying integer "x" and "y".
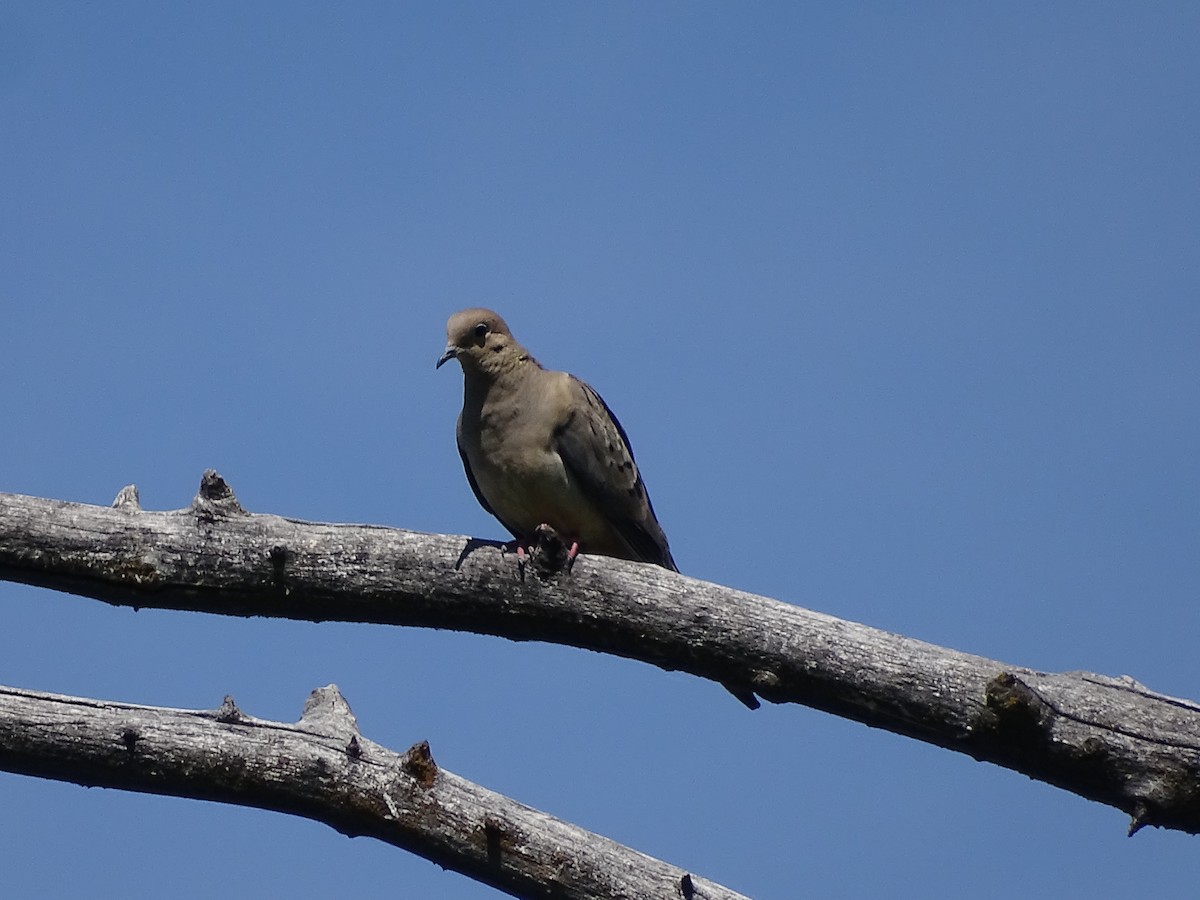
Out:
{"x": 518, "y": 547}
{"x": 548, "y": 551}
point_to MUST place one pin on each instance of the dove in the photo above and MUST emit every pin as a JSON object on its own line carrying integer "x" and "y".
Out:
{"x": 541, "y": 448}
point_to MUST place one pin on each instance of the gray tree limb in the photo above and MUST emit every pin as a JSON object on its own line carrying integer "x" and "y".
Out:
{"x": 1107, "y": 739}
{"x": 322, "y": 768}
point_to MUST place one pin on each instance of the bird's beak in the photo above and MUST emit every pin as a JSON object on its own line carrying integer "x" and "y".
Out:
{"x": 451, "y": 352}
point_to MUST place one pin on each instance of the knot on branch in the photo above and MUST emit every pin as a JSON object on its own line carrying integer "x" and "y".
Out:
{"x": 1017, "y": 710}
{"x": 127, "y": 498}
{"x": 327, "y": 712}
{"x": 496, "y": 837}
{"x": 549, "y": 552}
{"x": 279, "y": 555}
{"x": 1138, "y": 819}
{"x": 418, "y": 763}
{"x": 130, "y": 738}
{"x": 228, "y": 712}
{"x": 215, "y": 497}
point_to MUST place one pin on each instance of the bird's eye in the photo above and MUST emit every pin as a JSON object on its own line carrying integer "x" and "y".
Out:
{"x": 481, "y": 329}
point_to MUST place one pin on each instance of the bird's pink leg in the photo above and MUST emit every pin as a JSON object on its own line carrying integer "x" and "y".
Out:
{"x": 517, "y": 546}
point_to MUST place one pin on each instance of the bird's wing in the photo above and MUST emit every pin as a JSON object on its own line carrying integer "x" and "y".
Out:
{"x": 595, "y": 450}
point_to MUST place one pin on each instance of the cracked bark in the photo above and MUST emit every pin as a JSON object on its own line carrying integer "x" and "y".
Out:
{"x": 1108, "y": 739}
{"x": 322, "y": 768}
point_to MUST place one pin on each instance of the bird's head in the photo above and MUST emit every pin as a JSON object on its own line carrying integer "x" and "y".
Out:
{"x": 480, "y": 340}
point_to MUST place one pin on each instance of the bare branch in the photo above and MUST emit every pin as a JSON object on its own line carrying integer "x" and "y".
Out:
{"x": 322, "y": 768}
{"x": 1107, "y": 739}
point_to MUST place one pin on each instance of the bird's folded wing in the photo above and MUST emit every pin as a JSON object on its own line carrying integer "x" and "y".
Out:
{"x": 595, "y": 449}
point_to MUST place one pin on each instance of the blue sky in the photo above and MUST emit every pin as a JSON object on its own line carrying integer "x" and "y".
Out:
{"x": 900, "y": 306}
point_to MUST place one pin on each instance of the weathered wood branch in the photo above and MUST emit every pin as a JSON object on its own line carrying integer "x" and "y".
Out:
{"x": 322, "y": 768}
{"x": 1107, "y": 739}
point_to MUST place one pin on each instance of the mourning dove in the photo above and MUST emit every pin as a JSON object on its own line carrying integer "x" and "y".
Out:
{"x": 542, "y": 448}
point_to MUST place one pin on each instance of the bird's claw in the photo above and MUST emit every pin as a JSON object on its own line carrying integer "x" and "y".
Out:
{"x": 548, "y": 551}
{"x": 520, "y": 548}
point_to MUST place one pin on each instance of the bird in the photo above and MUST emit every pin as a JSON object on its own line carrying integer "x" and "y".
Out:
{"x": 541, "y": 448}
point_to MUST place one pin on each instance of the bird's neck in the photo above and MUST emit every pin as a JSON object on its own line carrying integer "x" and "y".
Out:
{"x": 501, "y": 369}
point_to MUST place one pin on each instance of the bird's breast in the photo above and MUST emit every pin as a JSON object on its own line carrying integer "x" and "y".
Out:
{"x": 517, "y": 470}
{"x": 525, "y": 481}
